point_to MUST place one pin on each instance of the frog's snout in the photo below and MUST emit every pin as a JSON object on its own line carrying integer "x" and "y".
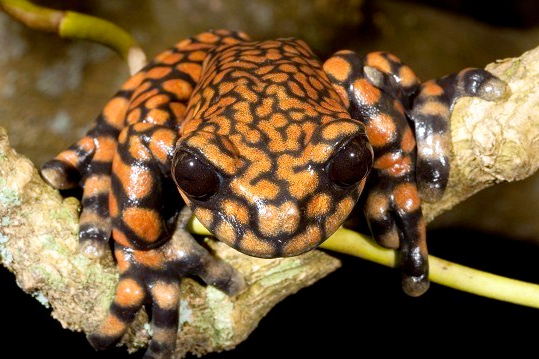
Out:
{"x": 275, "y": 221}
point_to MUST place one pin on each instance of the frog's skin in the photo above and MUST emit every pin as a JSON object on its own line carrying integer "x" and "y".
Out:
{"x": 269, "y": 149}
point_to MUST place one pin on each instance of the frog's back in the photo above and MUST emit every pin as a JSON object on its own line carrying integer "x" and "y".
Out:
{"x": 280, "y": 81}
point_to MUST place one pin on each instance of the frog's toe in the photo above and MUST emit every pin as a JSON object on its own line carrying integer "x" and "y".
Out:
{"x": 493, "y": 88}
{"x": 235, "y": 284}
{"x": 414, "y": 262}
{"x": 432, "y": 174}
{"x": 129, "y": 298}
{"x": 140, "y": 285}
{"x": 101, "y": 341}
{"x": 380, "y": 219}
{"x": 93, "y": 248}
{"x": 60, "y": 174}
{"x": 219, "y": 274}
{"x": 196, "y": 260}
{"x": 67, "y": 169}
{"x": 95, "y": 223}
{"x": 415, "y": 286}
{"x": 476, "y": 83}
{"x": 109, "y": 334}
{"x": 165, "y": 294}
{"x": 375, "y": 76}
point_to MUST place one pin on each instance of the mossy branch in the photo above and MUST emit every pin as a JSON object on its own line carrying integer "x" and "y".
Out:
{"x": 74, "y": 25}
{"x": 492, "y": 142}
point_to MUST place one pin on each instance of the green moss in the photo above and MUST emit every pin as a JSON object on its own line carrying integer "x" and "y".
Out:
{"x": 5, "y": 256}
{"x": 511, "y": 70}
{"x": 63, "y": 213}
{"x": 8, "y": 197}
{"x": 5, "y": 221}
{"x": 186, "y": 313}
{"x": 40, "y": 297}
{"x": 53, "y": 279}
{"x": 49, "y": 243}
{"x": 221, "y": 310}
{"x": 287, "y": 269}
{"x": 105, "y": 300}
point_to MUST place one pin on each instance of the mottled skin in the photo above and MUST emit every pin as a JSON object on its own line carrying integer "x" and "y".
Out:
{"x": 270, "y": 150}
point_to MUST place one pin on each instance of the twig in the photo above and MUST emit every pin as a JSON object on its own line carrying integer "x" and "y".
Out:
{"x": 73, "y": 25}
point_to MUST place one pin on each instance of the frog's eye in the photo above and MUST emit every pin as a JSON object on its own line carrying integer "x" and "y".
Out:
{"x": 194, "y": 177}
{"x": 352, "y": 163}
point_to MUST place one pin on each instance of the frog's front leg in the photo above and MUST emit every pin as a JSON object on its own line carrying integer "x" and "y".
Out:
{"x": 428, "y": 105}
{"x": 393, "y": 208}
{"x": 153, "y": 278}
{"x": 157, "y": 94}
{"x": 87, "y": 163}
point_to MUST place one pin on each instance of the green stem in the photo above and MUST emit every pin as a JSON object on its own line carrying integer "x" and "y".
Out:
{"x": 80, "y": 26}
{"x": 73, "y": 25}
{"x": 440, "y": 271}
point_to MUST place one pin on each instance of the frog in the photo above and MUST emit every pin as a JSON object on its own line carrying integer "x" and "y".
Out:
{"x": 271, "y": 149}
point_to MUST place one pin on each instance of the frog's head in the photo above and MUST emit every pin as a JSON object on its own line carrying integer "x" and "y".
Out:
{"x": 270, "y": 196}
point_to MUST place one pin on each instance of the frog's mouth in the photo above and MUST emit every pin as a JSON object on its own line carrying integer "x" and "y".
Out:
{"x": 275, "y": 230}
{"x": 247, "y": 239}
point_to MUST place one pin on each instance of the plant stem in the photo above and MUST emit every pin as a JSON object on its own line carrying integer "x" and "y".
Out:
{"x": 443, "y": 272}
{"x": 73, "y": 25}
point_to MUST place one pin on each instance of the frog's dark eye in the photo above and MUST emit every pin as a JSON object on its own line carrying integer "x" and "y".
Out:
{"x": 194, "y": 177}
{"x": 352, "y": 163}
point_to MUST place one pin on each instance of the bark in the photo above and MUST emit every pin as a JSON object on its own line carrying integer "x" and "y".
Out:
{"x": 492, "y": 142}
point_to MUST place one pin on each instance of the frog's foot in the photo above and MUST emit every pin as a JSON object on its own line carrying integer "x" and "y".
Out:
{"x": 394, "y": 215}
{"x": 429, "y": 106}
{"x": 88, "y": 163}
{"x": 431, "y": 112}
{"x": 153, "y": 278}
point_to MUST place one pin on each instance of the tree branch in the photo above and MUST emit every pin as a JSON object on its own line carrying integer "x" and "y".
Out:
{"x": 492, "y": 142}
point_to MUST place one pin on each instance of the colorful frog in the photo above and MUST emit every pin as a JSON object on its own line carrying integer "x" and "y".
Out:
{"x": 270, "y": 150}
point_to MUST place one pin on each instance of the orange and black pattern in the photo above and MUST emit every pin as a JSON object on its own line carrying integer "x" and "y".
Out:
{"x": 393, "y": 208}
{"x": 430, "y": 113}
{"x": 397, "y": 111}
{"x": 268, "y": 148}
{"x": 123, "y": 165}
